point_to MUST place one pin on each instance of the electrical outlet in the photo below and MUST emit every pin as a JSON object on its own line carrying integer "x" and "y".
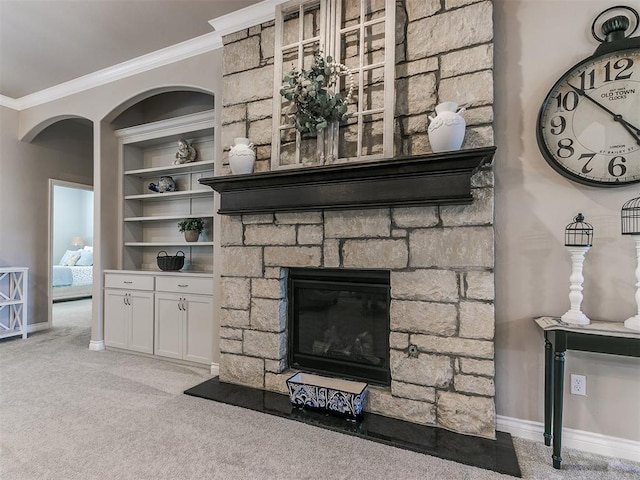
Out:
{"x": 578, "y": 384}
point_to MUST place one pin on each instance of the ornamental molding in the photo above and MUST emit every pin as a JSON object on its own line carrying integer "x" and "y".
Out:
{"x": 224, "y": 25}
{"x": 246, "y": 17}
{"x": 180, "y": 51}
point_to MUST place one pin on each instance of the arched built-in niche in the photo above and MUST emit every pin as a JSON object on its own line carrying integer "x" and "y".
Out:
{"x": 144, "y": 107}
{"x": 160, "y": 104}
{"x": 70, "y": 126}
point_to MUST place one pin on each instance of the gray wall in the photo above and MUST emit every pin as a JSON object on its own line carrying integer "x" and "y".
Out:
{"x": 100, "y": 105}
{"x": 25, "y": 170}
{"x": 533, "y": 204}
{"x": 535, "y": 43}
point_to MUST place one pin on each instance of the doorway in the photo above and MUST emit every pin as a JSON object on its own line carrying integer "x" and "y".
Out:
{"x": 70, "y": 243}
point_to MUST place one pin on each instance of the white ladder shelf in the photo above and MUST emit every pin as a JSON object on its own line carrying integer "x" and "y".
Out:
{"x": 13, "y": 301}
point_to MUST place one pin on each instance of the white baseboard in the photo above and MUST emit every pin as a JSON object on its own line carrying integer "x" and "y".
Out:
{"x": 36, "y": 327}
{"x": 578, "y": 439}
{"x": 215, "y": 369}
{"x": 96, "y": 345}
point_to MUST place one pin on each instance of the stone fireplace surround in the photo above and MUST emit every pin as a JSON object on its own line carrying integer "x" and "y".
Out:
{"x": 440, "y": 256}
{"x": 441, "y": 260}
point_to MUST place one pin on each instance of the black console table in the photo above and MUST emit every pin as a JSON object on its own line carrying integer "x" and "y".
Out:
{"x": 599, "y": 337}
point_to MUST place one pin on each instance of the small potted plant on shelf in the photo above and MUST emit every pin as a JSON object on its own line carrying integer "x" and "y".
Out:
{"x": 192, "y": 227}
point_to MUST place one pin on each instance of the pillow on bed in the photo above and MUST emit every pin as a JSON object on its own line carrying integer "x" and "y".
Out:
{"x": 70, "y": 258}
{"x": 86, "y": 258}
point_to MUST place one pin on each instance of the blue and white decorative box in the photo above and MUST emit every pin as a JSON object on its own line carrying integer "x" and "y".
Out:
{"x": 334, "y": 395}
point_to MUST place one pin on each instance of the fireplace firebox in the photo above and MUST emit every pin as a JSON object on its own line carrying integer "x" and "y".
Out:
{"x": 338, "y": 322}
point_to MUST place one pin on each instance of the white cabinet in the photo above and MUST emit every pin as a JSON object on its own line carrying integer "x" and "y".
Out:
{"x": 13, "y": 301}
{"x": 150, "y": 219}
{"x": 169, "y": 325}
{"x": 169, "y": 315}
{"x": 184, "y": 321}
{"x": 128, "y": 319}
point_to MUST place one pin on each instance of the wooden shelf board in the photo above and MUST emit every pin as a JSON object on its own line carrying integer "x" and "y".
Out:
{"x": 194, "y": 167}
{"x": 168, "y": 244}
{"x": 170, "y": 195}
{"x": 4, "y": 303}
{"x": 434, "y": 179}
{"x": 160, "y": 218}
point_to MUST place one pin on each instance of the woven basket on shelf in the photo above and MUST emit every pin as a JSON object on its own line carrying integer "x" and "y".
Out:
{"x": 167, "y": 262}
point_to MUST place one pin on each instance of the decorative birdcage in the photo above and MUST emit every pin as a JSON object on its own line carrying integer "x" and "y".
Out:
{"x": 630, "y": 216}
{"x": 578, "y": 233}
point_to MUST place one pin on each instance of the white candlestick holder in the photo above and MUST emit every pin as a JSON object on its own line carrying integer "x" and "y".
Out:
{"x": 574, "y": 315}
{"x": 634, "y": 322}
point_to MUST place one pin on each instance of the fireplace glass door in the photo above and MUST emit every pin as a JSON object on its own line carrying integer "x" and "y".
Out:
{"x": 338, "y": 323}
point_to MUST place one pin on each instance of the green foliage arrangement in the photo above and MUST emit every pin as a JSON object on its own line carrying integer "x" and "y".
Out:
{"x": 313, "y": 103}
{"x": 191, "y": 224}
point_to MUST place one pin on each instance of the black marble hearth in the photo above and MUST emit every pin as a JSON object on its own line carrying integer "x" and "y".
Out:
{"x": 496, "y": 455}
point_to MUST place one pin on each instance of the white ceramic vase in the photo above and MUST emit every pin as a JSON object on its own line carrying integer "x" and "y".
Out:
{"x": 446, "y": 130}
{"x": 241, "y": 156}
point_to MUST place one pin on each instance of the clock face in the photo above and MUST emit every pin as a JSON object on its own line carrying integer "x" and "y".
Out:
{"x": 589, "y": 124}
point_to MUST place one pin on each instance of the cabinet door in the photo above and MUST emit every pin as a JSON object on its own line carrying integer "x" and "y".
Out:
{"x": 168, "y": 325}
{"x": 141, "y": 324}
{"x": 198, "y": 333}
{"x": 116, "y": 315}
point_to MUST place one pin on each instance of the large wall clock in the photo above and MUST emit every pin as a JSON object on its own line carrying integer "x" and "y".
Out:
{"x": 589, "y": 124}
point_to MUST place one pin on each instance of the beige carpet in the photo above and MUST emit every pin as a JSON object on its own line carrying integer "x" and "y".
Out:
{"x": 71, "y": 413}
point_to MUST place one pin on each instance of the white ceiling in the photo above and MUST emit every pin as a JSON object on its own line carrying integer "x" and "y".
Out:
{"x": 44, "y": 43}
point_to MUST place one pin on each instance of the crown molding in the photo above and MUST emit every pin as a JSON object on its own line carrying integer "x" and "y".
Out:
{"x": 9, "y": 103}
{"x": 165, "y": 56}
{"x": 246, "y": 17}
{"x": 171, "y": 126}
{"x": 224, "y": 25}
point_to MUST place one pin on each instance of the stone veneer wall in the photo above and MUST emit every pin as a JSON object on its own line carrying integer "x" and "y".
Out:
{"x": 440, "y": 258}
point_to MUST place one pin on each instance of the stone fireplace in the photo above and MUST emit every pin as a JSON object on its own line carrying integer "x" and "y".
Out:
{"x": 439, "y": 254}
{"x": 441, "y": 316}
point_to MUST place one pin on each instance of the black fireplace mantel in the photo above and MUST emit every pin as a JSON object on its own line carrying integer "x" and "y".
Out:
{"x": 433, "y": 179}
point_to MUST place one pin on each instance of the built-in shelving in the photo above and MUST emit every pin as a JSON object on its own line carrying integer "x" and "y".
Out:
{"x": 149, "y": 219}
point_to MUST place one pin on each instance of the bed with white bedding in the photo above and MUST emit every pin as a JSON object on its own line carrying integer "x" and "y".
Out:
{"x": 73, "y": 276}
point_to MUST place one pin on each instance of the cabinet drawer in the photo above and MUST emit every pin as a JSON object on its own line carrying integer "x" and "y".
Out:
{"x": 202, "y": 286}
{"x": 137, "y": 282}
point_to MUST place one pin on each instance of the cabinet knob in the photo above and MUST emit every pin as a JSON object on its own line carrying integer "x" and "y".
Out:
{"x": 184, "y": 285}
{"x": 128, "y": 282}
